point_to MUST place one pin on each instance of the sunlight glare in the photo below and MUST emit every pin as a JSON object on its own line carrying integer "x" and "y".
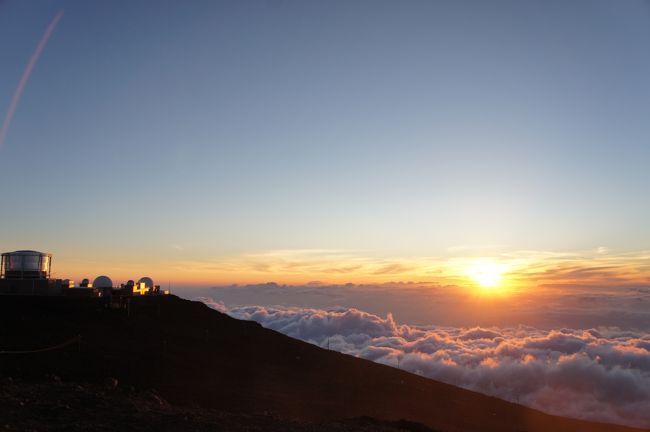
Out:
{"x": 486, "y": 274}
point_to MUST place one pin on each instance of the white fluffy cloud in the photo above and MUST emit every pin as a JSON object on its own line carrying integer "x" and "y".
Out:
{"x": 421, "y": 303}
{"x": 595, "y": 374}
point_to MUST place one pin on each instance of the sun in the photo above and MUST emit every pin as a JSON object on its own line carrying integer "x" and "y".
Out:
{"x": 486, "y": 274}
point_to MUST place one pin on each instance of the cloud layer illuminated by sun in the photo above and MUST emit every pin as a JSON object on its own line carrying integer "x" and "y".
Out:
{"x": 596, "y": 374}
{"x": 498, "y": 271}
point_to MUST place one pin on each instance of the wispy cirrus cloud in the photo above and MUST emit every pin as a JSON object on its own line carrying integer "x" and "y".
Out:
{"x": 307, "y": 264}
{"x": 522, "y": 269}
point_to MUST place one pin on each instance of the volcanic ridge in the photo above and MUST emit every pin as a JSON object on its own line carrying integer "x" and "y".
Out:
{"x": 164, "y": 363}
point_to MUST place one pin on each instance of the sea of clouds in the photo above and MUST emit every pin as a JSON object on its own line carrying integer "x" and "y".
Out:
{"x": 600, "y": 374}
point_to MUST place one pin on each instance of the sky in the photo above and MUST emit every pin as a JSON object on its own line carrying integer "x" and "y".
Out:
{"x": 226, "y": 142}
{"x": 457, "y": 188}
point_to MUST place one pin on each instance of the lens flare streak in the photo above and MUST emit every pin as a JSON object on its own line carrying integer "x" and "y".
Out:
{"x": 26, "y": 74}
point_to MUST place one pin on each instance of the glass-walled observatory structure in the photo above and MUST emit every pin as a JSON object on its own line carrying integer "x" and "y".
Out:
{"x": 26, "y": 264}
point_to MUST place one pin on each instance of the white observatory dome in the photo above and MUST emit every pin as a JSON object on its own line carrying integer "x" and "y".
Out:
{"x": 103, "y": 282}
{"x": 147, "y": 281}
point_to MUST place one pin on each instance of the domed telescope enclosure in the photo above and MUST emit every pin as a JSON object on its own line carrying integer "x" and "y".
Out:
{"x": 147, "y": 281}
{"x": 103, "y": 282}
{"x": 26, "y": 264}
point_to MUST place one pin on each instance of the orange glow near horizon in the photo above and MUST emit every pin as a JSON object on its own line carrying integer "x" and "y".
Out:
{"x": 487, "y": 275}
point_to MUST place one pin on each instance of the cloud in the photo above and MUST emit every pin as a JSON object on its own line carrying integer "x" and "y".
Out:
{"x": 424, "y": 303}
{"x": 522, "y": 270}
{"x": 597, "y": 374}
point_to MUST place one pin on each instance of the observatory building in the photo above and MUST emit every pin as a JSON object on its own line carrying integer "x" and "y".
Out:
{"x": 26, "y": 264}
{"x": 28, "y": 272}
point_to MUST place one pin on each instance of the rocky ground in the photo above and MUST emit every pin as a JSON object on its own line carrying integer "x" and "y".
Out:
{"x": 211, "y": 372}
{"x": 53, "y": 405}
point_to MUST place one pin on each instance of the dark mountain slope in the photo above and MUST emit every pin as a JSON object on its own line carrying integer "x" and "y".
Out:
{"x": 194, "y": 356}
{"x": 51, "y": 405}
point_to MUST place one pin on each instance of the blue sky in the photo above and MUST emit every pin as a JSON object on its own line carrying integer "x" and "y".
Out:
{"x": 169, "y": 131}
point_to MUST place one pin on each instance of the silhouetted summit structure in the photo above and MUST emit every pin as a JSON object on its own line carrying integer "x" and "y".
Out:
{"x": 28, "y": 272}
